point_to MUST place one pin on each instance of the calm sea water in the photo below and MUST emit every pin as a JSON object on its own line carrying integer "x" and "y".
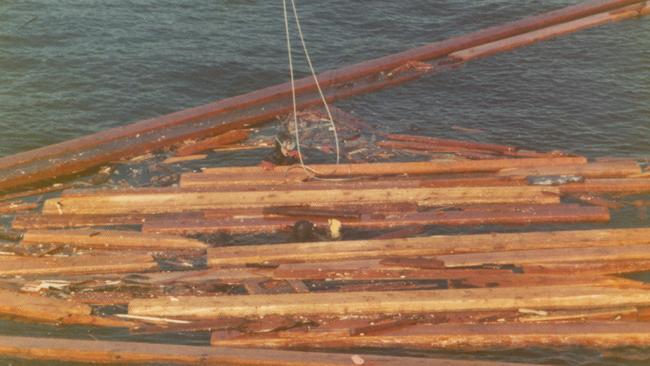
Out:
{"x": 73, "y": 67}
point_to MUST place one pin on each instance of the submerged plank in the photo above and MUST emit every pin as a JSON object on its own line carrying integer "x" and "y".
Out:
{"x": 424, "y": 246}
{"x": 180, "y": 201}
{"x": 62, "y": 221}
{"x": 459, "y": 336}
{"x": 399, "y": 302}
{"x": 227, "y": 138}
{"x": 81, "y": 264}
{"x": 110, "y": 239}
{"x": 140, "y": 353}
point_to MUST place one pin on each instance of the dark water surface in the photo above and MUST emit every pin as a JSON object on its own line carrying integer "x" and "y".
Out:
{"x": 73, "y": 67}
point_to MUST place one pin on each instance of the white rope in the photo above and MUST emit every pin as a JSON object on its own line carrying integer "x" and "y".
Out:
{"x": 293, "y": 86}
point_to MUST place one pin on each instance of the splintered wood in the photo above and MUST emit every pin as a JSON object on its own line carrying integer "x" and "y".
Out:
{"x": 275, "y": 256}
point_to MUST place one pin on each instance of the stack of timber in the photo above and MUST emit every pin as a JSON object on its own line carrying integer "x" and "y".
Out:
{"x": 329, "y": 259}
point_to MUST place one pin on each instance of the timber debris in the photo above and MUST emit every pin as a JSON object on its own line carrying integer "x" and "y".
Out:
{"x": 412, "y": 242}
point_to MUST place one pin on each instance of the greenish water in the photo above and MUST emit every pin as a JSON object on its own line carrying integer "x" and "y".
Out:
{"x": 68, "y": 68}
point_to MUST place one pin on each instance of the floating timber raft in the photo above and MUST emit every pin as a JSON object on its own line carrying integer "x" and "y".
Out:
{"x": 457, "y": 245}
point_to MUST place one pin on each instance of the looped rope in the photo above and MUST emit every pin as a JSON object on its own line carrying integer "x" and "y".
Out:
{"x": 293, "y": 88}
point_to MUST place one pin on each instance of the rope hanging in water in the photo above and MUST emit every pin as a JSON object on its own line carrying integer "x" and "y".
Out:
{"x": 293, "y": 86}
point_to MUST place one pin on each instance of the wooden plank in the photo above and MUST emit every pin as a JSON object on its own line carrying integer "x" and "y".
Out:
{"x": 460, "y": 337}
{"x": 148, "y": 203}
{"x": 244, "y": 224}
{"x": 298, "y": 180}
{"x": 16, "y": 206}
{"x": 82, "y": 264}
{"x": 424, "y": 246}
{"x": 110, "y": 239}
{"x": 599, "y": 254}
{"x": 452, "y": 143}
{"x": 182, "y": 159}
{"x": 621, "y": 168}
{"x": 35, "y": 307}
{"x": 410, "y": 168}
{"x": 59, "y": 221}
{"x": 590, "y": 267}
{"x": 143, "y": 353}
{"x": 582, "y": 315}
{"x": 621, "y": 185}
{"x": 398, "y": 302}
{"x": 547, "y": 33}
{"x": 223, "y": 139}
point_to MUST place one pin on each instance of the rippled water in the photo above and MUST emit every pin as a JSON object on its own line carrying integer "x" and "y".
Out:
{"x": 68, "y": 68}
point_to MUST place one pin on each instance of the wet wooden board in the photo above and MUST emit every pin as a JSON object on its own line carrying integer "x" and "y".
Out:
{"x": 622, "y": 185}
{"x": 168, "y": 202}
{"x": 16, "y": 206}
{"x": 396, "y": 302}
{"x": 459, "y": 337}
{"x": 298, "y": 180}
{"x": 35, "y": 307}
{"x": 59, "y": 221}
{"x": 514, "y": 42}
{"x": 247, "y": 224}
{"x": 410, "y": 168}
{"x": 141, "y": 353}
{"x": 600, "y": 254}
{"x": 110, "y": 239}
{"x": 81, "y": 264}
{"x": 622, "y": 168}
{"x": 424, "y": 246}
{"x": 590, "y": 267}
{"x": 227, "y": 138}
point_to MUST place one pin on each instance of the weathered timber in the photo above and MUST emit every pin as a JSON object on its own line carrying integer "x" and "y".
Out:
{"x": 166, "y": 201}
{"x": 227, "y": 138}
{"x": 599, "y": 254}
{"x": 182, "y": 159}
{"x": 299, "y": 180}
{"x": 621, "y": 185}
{"x": 581, "y": 315}
{"x": 460, "y": 336}
{"x": 533, "y": 214}
{"x": 142, "y": 353}
{"x": 396, "y": 302}
{"x": 61, "y": 221}
{"x": 16, "y": 206}
{"x": 35, "y": 307}
{"x": 409, "y": 168}
{"x": 81, "y": 264}
{"x": 451, "y": 143}
{"x": 24, "y": 168}
{"x": 424, "y": 246}
{"x": 589, "y": 267}
{"x": 511, "y": 43}
{"x": 419, "y": 146}
{"x": 620, "y": 168}
{"x": 110, "y": 239}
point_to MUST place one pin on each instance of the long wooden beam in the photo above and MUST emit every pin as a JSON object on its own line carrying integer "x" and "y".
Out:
{"x": 459, "y": 337}
{"x": 397, "y": 302}
{"x": 81, "y": 264}
{"x": 167, "y": 201}
{"x": 526, "y": 215}
{"x": 89, "y": 151}
{"x": 143, "y": 353}
{"x": 110, "y": 240}
{"x": 408, "y": 168}
{"x": 424, "y": 246}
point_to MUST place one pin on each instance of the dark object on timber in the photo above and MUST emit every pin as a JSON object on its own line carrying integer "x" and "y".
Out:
{"x": 283, "y": 151}
{"x": 304, "y": 230}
